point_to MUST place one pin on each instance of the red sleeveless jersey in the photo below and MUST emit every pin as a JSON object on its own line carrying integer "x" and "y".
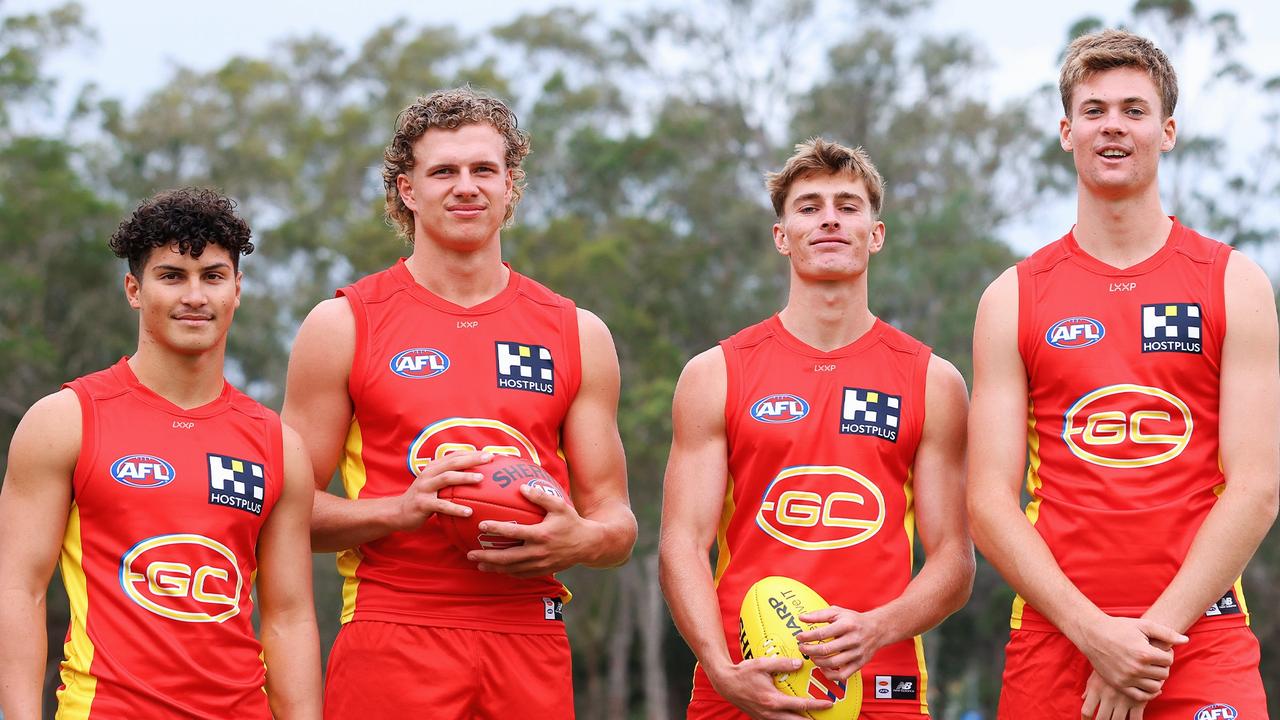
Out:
{"x": 821, "y": 446}
{"x": 160, "y": 552}
{"x": 1122, "y": 371}
{"x": 429, "y": 378}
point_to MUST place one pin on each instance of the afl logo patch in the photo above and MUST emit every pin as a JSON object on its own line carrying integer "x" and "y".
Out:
{"x": 1075, "y": 332}
{"x": 142, "y": 471}
{"x": 780, "y": 408}
{"x": 419, "y": 363}
{"x": 1216, "y": 711}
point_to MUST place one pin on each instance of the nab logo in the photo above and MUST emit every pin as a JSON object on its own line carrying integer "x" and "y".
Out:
{"x": 822, "y": 687}
{"x": 142, "y": 471}
{"x": 419, "y": 363}
{"x": 821, "y": 507}
{"x": 1127, "y": 426}
{"x": 1216, "y": 711}
{"x": 1075, "y": 332}
{"x": 184, "y": 577}
{"x": 780, "y": 408}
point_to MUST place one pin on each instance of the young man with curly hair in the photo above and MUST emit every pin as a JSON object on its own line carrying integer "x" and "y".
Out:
{"x": 169, "y": 493}
{"x": 415, "y": 374}
{"x": 814, "y": 445}
{"x": 1134, "y": 361}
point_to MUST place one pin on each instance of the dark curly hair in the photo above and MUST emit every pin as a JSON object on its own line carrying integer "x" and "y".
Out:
{"x": 192, "y": 217}
{"x": 449, "y": 109}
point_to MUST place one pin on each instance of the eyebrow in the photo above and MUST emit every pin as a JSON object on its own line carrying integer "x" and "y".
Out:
{"x": 840, "y": 196}
{"x": 1127, "y": 101}
{"x": 205, "y": 268}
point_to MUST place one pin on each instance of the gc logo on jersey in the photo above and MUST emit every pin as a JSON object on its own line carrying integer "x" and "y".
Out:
{"x": 821, "y": 507}
{"x": 142, "y": 471}
{"x": 1216, "y": 711}
{"x": 419, "y": 363}
{"x": 525, "y": 367}
{"x": 779, "y": 408}
{"x": 1075, "y": 332}
{"x": 1127, "y": 426}
{"x": 870, "y": 412}
{"x": 1171, "y": 327}
{"x": 184, "y": 577}
{"x": 461, "y": 434}
{"x": 236, "y": 483}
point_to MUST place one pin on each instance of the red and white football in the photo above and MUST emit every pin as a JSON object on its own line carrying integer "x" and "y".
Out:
{"x": 496, "y": 497}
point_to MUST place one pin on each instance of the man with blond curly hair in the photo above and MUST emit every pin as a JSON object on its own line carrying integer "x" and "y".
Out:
{"x": 415, "y": 374}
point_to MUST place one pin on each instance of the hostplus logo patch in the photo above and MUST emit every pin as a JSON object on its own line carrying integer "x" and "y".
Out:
{"x": 1171, "y": 327}
{"x": 870, "y": 412}
{"x": 236, "y": 483}
{"x": 525, "y": 367}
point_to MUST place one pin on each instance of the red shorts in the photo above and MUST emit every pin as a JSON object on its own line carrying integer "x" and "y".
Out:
{"x": 1217, "y": 672}
{"x": 718, "y": 708}
{"x": 388, "y": 671}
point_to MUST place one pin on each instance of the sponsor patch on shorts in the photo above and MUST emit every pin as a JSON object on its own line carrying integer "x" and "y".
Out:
{"x": 897, "y": 687}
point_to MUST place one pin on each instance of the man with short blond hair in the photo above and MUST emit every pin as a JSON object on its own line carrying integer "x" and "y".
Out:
{"x": 822, "y": 412}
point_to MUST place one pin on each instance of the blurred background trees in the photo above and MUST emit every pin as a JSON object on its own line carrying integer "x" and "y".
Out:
{"x": 645, "y": 205}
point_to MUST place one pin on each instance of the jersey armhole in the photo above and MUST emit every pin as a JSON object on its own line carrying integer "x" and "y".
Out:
{"x": 1025, "y": 309}
{"x": 920, "y": 390}
{"x": 275, "y": 446}
{"x": 732, "y": 389}
{"x": 1217, "y": 312}
{"x": 88, "y": 440}
{"x": 572, "y": 350}
{"x": 356, "y": 378}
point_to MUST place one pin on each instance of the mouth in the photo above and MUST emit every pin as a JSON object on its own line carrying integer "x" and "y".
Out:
{"x": 193, "y": 318}
{"x": 829, "y": 240}
{"x": 466, "y": 211}
{"x": 1112, "y": 152}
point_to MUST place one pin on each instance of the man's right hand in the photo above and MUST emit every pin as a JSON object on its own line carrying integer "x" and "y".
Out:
{"x": 749, "y": 686}
{"x": 1131, "y": 654}
{"x": 420, "y": 500}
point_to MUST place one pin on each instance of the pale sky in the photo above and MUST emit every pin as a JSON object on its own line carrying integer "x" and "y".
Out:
{"x": 140, "y": 42}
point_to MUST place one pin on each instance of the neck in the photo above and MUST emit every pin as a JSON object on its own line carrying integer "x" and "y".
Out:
{"x": 462, "y": 277}
{"x": 1121, "y": 231}
{"x": 187, "y": 381}
{"x": 827, "y": 315}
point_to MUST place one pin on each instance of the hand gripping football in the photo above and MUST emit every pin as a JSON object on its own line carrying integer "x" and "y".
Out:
{"x": 496, "y": 497}
{"x": 768, "y": 624}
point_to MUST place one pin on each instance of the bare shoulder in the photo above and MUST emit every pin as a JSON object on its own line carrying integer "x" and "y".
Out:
{"x": 324, "y": 349}
{"x": 1001, "y": 293}
{"x": 1248, "y": 289}
{"x": 594, "y": 338}
{"x": 49, "y": 434}
{"x": 331, "y": 316}
{"x": 706, "y": 368}
{"x": 944, "y": 376}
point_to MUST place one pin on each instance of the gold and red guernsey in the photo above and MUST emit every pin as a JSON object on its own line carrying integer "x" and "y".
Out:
{"x": 1122, "y": 369}
{"x": 430, "y": 378}
{"x": 821, "y": 446}
{"x": 160, "y": 553}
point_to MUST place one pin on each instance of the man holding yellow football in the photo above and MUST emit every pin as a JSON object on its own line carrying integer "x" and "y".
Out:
{"x": 812, "y": 446}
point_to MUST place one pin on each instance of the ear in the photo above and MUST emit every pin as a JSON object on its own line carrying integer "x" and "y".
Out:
{"x": 780, "y": 241}
{"x": 132, "y": 286}
{"x": 1064, "y": 134}
{"x": 405, "y": 188}
{"x": 878, "y": 234}
{"x": 239, "y": 277}
{"x": 1170, "y": 138}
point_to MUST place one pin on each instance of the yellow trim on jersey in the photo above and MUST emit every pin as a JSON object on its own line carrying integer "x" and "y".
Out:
{"x": 75, "y": 699}
{"x": 924, "y": 675}
{"x": 909, "y": 518}
{"x": 722, "y": 534}
{"x": 353, "y": 481}
{"x": 1034, "y": 483}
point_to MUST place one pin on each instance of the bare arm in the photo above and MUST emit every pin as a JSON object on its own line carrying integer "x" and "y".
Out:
{"x": 1117, "y": 647}
{"x": 34, "y": 504}
{"x": 945, "y": 580}
{"x": 692, "y": 500}
{"x": 318, "y": 406}
{"x": 290, "y": 641}
{"x": 1249, "y": 427}
{"x": 598, "y": 530}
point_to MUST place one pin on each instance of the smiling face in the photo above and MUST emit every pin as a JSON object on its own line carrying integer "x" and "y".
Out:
{"x": 459, "y": 187}
{"x": 1116, "y": 132}
{"x": 185, "y": 304}
{"x": 828, "y": 229}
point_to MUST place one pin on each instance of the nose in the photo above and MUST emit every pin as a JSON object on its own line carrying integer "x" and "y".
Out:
{"x": 1112, "y": 122}
{"x": 465, "y": 183}
{"x": 830, "y": 219}
{"x": 194, "y": 294}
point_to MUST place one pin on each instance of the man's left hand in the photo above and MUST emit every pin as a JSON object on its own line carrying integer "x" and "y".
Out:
{"x": 851, "y": 638}
{"x": 563, "y": 539}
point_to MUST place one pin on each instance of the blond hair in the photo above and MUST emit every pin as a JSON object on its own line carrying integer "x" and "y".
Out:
{"x": 449, "y": 109}
{"x": 1109, "y": 49}
{"x": 818, "y": 156}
